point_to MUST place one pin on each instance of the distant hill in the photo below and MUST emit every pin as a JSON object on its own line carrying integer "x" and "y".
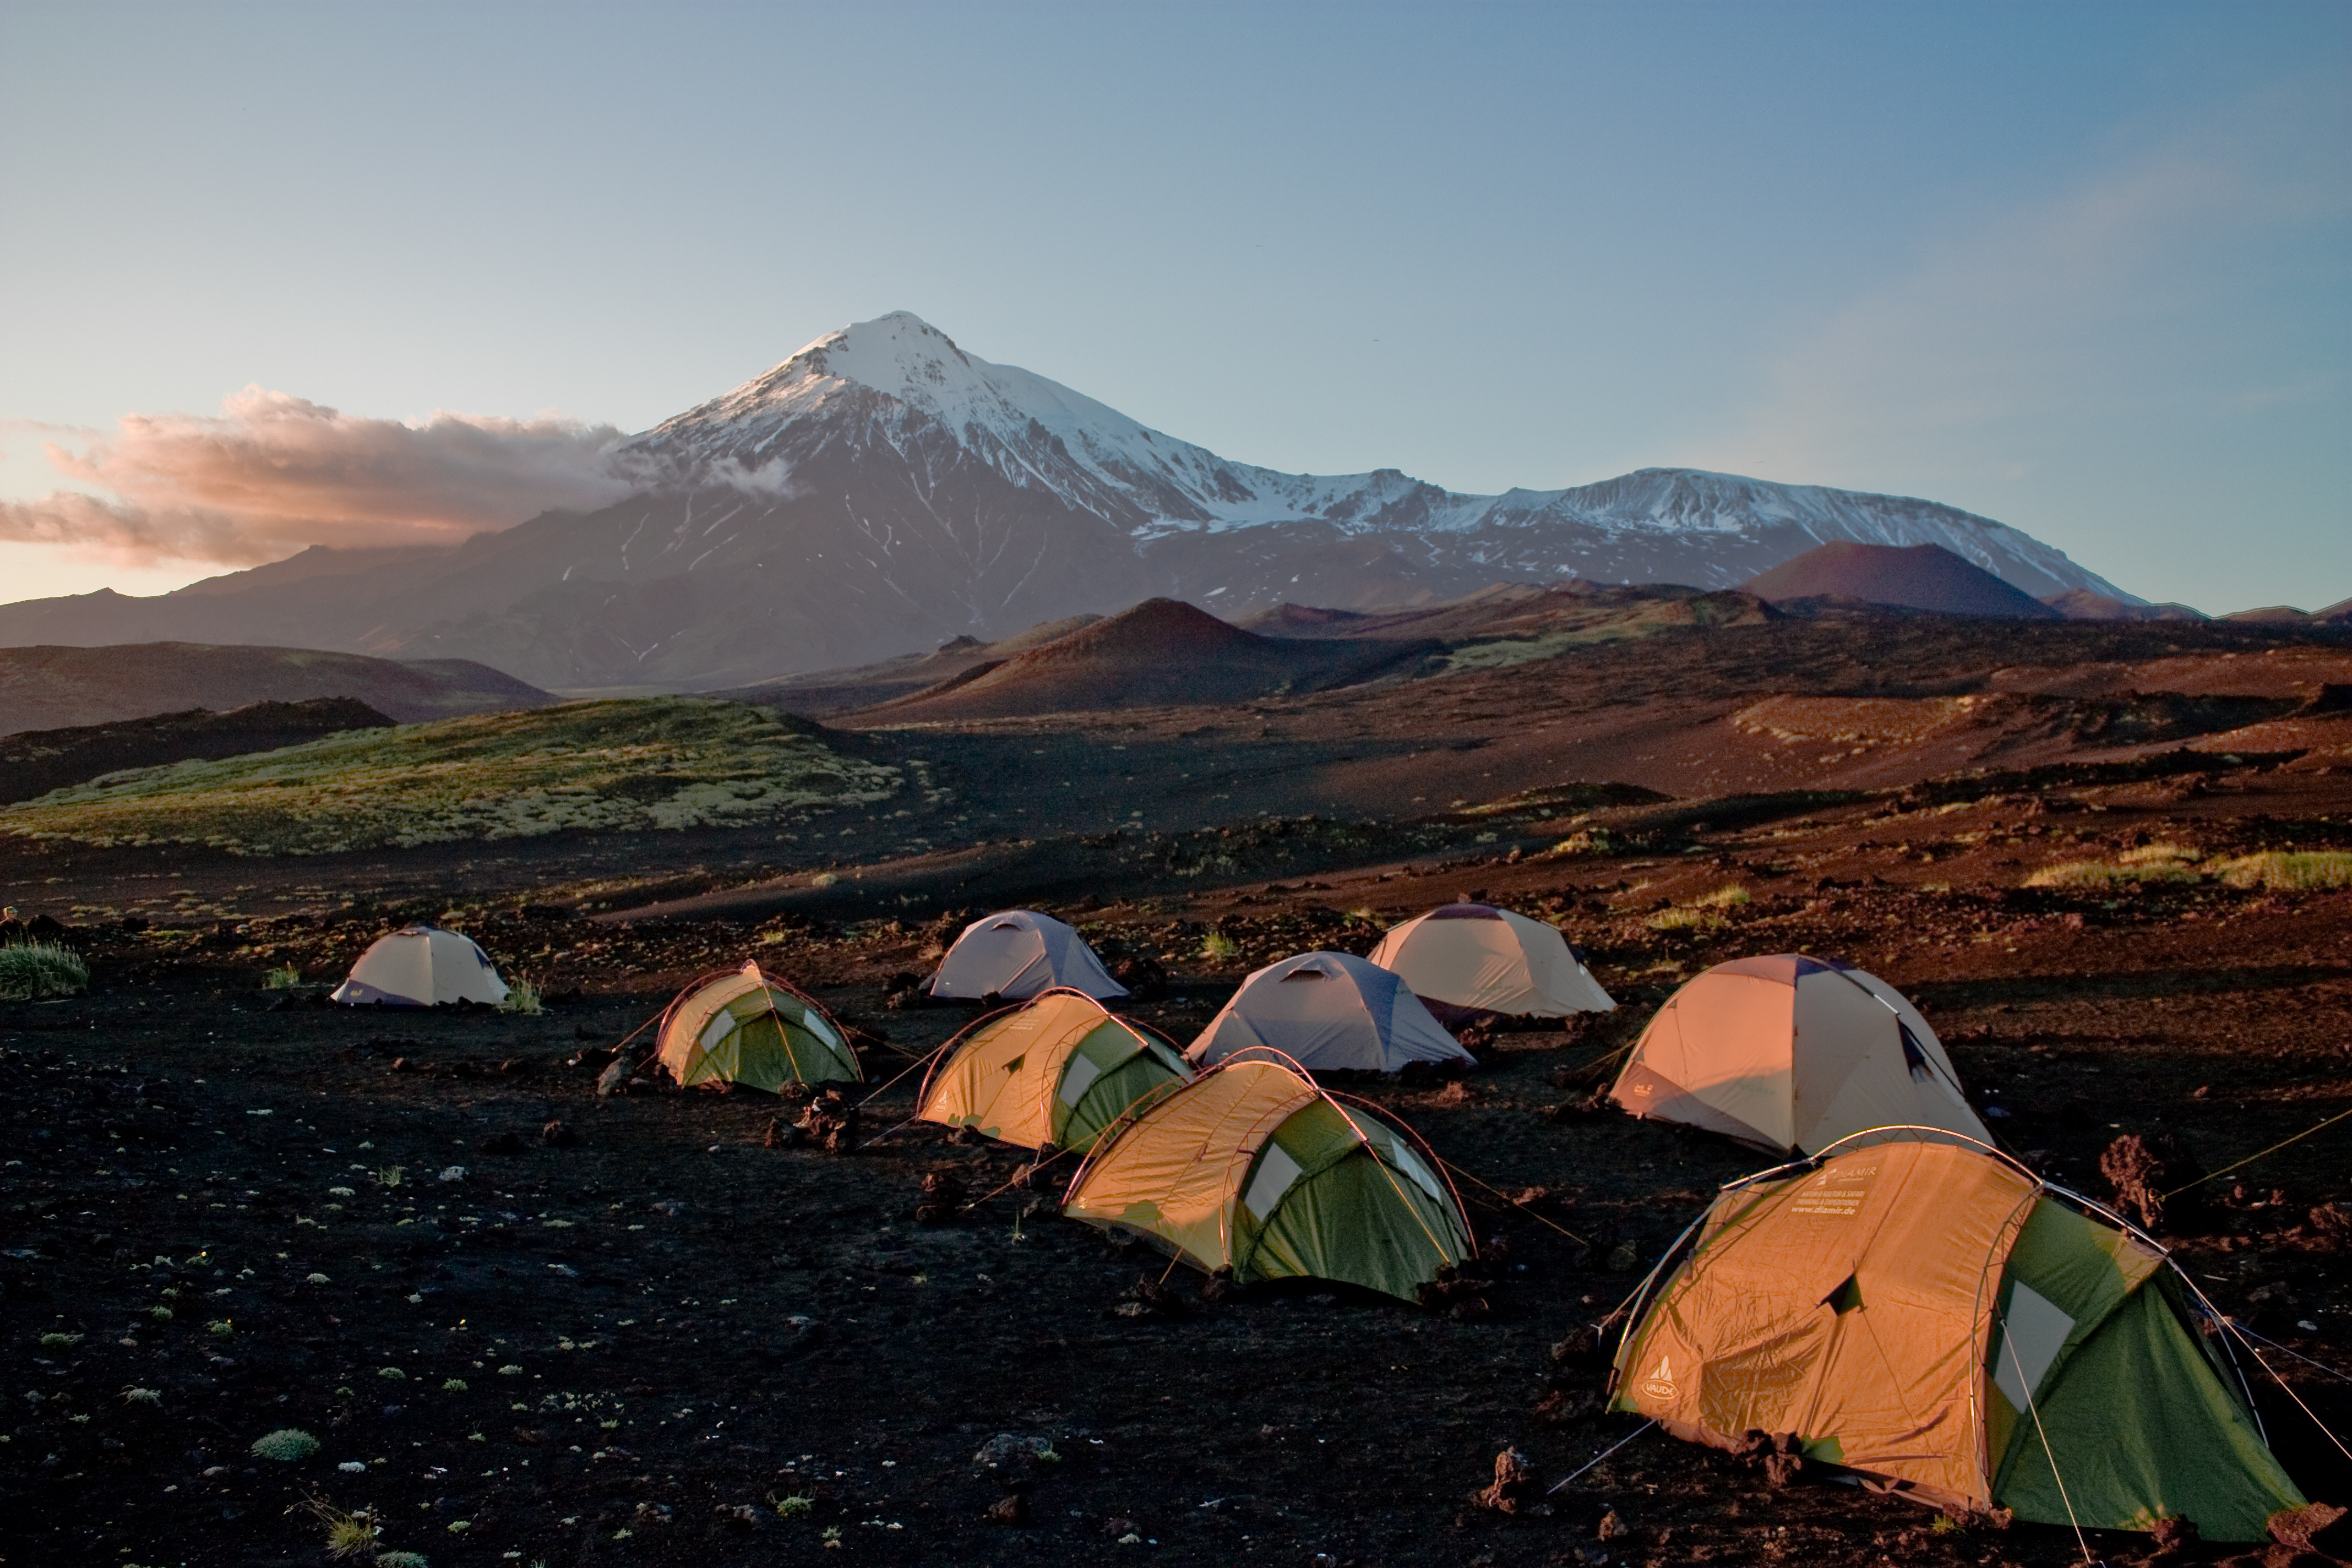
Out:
{"x": 1915, "y": 577}
{"x": 2082, "y": 604}
{"x": 830, "y": 691}
{"x": 2336, "y": 615}
{"x": 1160, "y": 653}
{"x": 35, "y": 761}
{"x": 54, "y": 687}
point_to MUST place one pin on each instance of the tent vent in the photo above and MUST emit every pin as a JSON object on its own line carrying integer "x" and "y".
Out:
{"x": 1276, "y": 1171}
{"x": 1913, "y": 1057}
{"x": 2033, "y": 1331}
{"x": 1845, "y": 1298}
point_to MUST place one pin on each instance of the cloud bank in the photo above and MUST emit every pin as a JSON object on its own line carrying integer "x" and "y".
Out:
{"x": 274, "y": 474}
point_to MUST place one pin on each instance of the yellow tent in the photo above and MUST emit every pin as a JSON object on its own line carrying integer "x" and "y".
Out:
{"x": 1911, "y": 1306}
{"x": 744, "y": 1026}
{"x": 1253, "y": 1167}
{"x": 1056, "y": 1069}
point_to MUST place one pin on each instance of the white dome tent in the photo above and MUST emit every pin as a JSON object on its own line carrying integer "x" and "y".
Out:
{"x": 422, "y": 967}
{"x": 1016, "y": 954}
{"x": 1479, "y": 959}
{"x": 1328, "y": 1012}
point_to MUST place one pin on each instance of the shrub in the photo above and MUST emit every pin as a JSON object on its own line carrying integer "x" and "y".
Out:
{"x": 59, "y": 1342}
{"x": 2300, "y": 870}
{"x": 37, "y": 971}
{"x": 401, "y": 1560}
{"x": 285, "y": 977}
{"x": 286, "y": 1445}
{"x": 522, "y": 996}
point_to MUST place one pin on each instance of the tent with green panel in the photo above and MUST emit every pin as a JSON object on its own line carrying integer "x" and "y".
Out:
{"x": 1253, "y": 1167}
{"x": 746, "y": 1027}
{"x": 1913, "y": 1307}
{"x": 1058, "y": 1069}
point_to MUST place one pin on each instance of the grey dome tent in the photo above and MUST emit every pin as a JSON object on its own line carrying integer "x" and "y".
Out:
{"x": 1018, "y": 954}
{"x": 1328, "y": 1011}
{"x": 1476, "y": 959}
{"x": 422, "y": 967}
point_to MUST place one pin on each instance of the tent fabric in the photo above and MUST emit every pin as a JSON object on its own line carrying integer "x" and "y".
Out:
{"x": 1251, "y": 1167}
{"x": 1018, "y": 954}
{"x": 1328, "y": 1011}
{"x": 1475, "y": 956}
{"x": 1059, "y": 1068}
{"x": 745, "y": 1027}
{"x": 1882, "y": 1304}
{"x": 1791, "y": 1054}
{"x": 422, "y": 967}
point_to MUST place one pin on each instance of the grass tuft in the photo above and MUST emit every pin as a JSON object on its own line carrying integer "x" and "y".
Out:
{"x": 2098, "y": 874}
{"x": 1218, "y": 946}
{"x": 286, "y": 1445}
{"x": 1728, "y": 896}
{"x": 38, "y": 971}
{"x": 523, "y": 997}
{"x": 1681, "y": 918}
{"x": 285, "y": 977}
{"x": 2296, "y": 870}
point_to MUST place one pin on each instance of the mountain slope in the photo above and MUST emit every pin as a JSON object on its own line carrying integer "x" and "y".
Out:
{"x": 53, "y": 688}
{"x": 882, "y": 491}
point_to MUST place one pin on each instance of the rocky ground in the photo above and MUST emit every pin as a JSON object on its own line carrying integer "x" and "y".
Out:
{"x": 525, "y": 1324}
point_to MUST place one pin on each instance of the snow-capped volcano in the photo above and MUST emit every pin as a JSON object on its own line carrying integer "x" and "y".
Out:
{"x": 902, "y": 375}
{"x": 881, "y": 492}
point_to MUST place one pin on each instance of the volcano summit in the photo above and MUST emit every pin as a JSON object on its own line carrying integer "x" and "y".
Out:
{"x": 881, "y": 492}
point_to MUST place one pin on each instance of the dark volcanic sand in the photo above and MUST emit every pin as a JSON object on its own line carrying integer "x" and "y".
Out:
{"x": 651, "y": 1275}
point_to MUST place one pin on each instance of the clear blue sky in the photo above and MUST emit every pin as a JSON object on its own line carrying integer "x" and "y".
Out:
{"x": 2083, "y": 268}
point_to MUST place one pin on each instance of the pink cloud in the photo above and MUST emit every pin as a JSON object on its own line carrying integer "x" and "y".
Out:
{"x": 275, "y": 473}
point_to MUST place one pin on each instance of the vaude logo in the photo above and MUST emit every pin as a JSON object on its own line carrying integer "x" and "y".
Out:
{"x": 1660, "y": 1384}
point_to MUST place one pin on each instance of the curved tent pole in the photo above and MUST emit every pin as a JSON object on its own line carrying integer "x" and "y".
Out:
{"x": 1362, "y": 1138}
{"x": 1437, "y": 1162}
{"x": 941, "y": 1055}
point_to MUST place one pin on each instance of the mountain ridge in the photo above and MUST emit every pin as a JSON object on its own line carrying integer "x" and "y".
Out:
{"x": 882, "y": 491}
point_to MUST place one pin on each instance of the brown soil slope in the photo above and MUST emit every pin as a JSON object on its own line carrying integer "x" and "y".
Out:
{"x": 49, "y": 688}
{"x": 1920, "y": 577}
{"x": 1160, "y": 652}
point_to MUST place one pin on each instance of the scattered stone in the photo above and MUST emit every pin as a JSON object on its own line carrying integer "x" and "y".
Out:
{"x": 1514, "y": 1490}
{"x": 2320, "y": 1527}
{"x": 1012, "y": 1460}
{"x": 943, "y": 1198}
{"x": 2143, "y": 1170}
{"x": 1010, "y": 1508}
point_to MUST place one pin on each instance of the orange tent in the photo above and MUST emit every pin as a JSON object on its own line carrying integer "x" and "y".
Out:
{"x": 1913, "y": 1307}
